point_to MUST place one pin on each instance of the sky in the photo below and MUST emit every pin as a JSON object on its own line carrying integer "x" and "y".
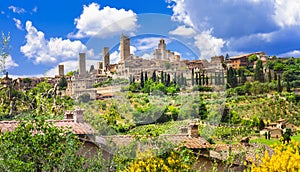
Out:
{"x": 47, "y": 33}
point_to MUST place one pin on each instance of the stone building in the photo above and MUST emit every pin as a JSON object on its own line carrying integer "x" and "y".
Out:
{"x": 124, "y": 47}
{"x": 61, "y": 70}
{"x": 105, "y": 59}
{"x": 82, "y": 65}
{"x": 162, "y": 53}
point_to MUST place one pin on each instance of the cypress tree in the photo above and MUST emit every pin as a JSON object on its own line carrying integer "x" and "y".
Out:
{"x": 142, "y": 79}
{"x": 279, "y": 87}
{"x": 203, "y": 79}
{"x": 197, "y": 80}
{"x": 206, "y": 80}
{"x": 269, "y": 76}
{"x": 200, "y": 83}
{"x": 146, "y": 76}
{"x": 258, "y": 72}
{"x": 193, "y": 82}
{"x": 162, "y": 76}
{"x": 154, "y": 76}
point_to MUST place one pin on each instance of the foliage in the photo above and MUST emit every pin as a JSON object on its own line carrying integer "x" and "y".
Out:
{"x": 258, "y": 72}
{"x": 174, "y": 160}
{"x": 231, "y": 78}
{"x": 62, "y": 84}
{"x": 86, "y": 97}
{"x": 70, "y": 73}
{"x": 39, "y": 146}
{"x": 285, "y": 158}
{"x": 252, "y": 58}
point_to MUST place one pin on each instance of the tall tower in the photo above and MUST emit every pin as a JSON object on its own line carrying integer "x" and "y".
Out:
{"x": 105, "y": 58}
{"x": 82, "y": 65}
{"x": 61, "y": 70}
{"x": 125, "y": 47}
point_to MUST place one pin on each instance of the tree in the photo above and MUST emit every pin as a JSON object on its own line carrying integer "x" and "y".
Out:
{"x": 258, "y": 72}
{"x": 142, "y": 80}
{"x": 86, "y": 97}
{"x": 4, "y": 51}
{"x": 62, "y": 84}
{"x": 252, "y": 58}
{"x": 193, "y": 79}
{"x": 261, "y": 124}
{"x": 287, "y": 136}
{"x": 39, "y": 146}
{"x": 231, "y": 78}
{"x": 279, "y": 87}
{"x": 146, "y": 76}
{"x": 161, "y": 76}
{"x": 70, "y": 73}
{"x": 154, "y": 76}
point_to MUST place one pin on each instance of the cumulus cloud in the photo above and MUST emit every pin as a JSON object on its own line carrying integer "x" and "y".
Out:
{"x": 18, "y": 10}
{"x": 294, "y": 53}
{"x": 183, "y": 31}
{"x": 287, "y": 13}
{"x": 41, "y": 50}
{"x": 9, "y": 62}
{"x": 208, "y": 45}
{"x": 180, "y": 13}
{"x": 104, "y": 22}
{"x": 18, "y": 23}
{"x": 148, "y": 43}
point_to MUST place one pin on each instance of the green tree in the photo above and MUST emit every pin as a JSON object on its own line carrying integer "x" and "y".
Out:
{"x": 39, "y": 146}
{"x": 92, "y": 68}
{"x": 86, "y": 97}
{"x": 70, "y": 73}
{"x": 62, "y": 84}
{"x": 193, "y": 75}
{"x": 258, "y": 72}
{"x": 154, "y": 76}
{"x": 252, "y": 58}
{"x": 161, "y": 76}
{"x": 142, "y": 80}
{"x": 231, "y": 78}
{"x": 146, "y": 76}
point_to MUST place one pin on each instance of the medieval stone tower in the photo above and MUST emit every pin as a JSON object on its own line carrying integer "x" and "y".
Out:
{"x": 125, "y": 47}
{"x": 61, "y": 70}
{"x": 82, "y": 65}
{"x": 105, "y": 58}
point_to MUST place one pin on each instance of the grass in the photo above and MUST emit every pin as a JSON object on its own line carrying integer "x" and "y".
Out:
{"x": 272, "y": 141}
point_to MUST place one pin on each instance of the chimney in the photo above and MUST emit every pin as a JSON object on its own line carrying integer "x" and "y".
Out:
{"x": 76, "y": 115}
{"x": 193, "y": 129}
{"x": 183, "y": 130}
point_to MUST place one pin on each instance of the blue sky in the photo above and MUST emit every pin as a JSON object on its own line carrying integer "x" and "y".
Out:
{"x": 47, "y": 33}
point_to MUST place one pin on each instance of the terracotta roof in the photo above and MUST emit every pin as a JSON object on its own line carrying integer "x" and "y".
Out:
{"x": 189, "y": 142}
{"x": 76, "y": 128}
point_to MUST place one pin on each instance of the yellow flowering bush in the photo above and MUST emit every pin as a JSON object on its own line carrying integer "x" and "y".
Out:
{"x": 169, "y": 162}
{"x": 285, "y": 158}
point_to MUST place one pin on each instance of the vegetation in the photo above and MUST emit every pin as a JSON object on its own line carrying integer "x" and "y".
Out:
{"x": 285, "y": 158}
{"x": 37, "y": 145}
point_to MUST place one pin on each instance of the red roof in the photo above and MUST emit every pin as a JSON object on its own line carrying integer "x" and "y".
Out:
{"x": 189, "y": 142}
{"x": 76, "y": 128}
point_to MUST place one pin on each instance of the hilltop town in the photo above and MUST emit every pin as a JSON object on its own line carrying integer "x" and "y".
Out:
{"x": 222, "y": 110}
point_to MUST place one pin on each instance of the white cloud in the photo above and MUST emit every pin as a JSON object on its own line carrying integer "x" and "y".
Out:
{"x": 180, "y": 13}
{"x": 9, "y": 63}
{"x": 287, "y": 12}
{"x": 54, "y": 50}
{"x": 149, "y": 43}
{"x": 2, "y": 12}
{"x": 147, "y": 56}
{"x": 294, "y": 53}
{"x": 104, "y": 22}
{"x": 115, "y": 57}
{"x": 183, "y": 31}
{"x": 208, "y": 45}
{"x": 18, "y": 23}
{"x": 18, "y": 10}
